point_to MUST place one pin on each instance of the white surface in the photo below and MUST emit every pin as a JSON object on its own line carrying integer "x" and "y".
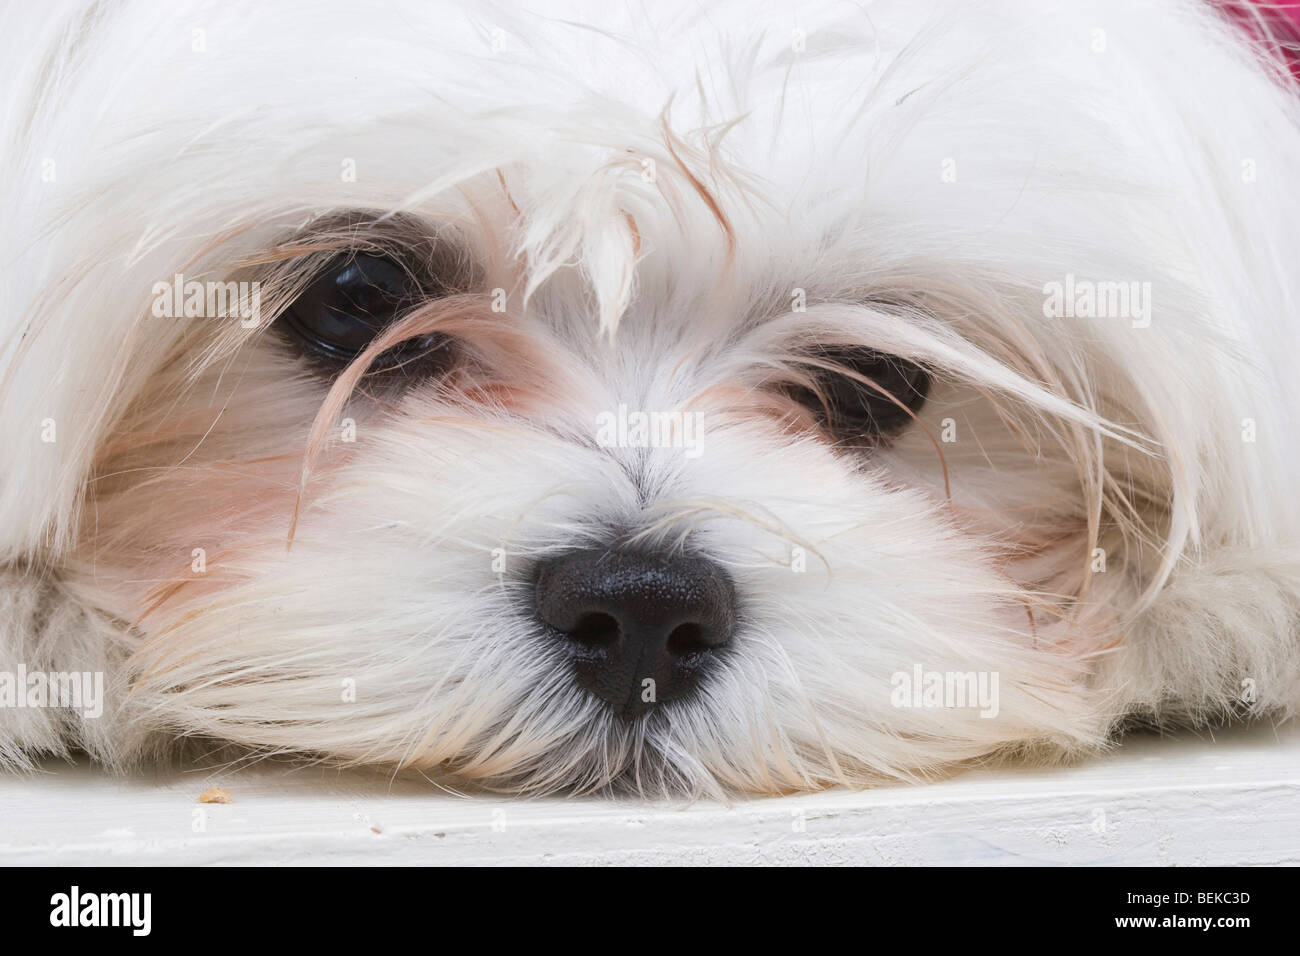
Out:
{"x": 1233, "y": 799}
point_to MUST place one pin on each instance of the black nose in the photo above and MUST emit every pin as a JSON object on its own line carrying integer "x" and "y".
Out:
{"x": 642, "y": 628}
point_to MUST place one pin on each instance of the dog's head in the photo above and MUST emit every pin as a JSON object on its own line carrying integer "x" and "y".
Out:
{"x": 665, "y": 404}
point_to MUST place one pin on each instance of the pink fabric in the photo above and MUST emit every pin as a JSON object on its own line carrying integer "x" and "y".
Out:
{"x": 1282, "y": 18}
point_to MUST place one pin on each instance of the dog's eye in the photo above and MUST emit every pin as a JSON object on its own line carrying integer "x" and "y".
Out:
{"x": 851, "y": 409}
{"x": 353, "y": 299}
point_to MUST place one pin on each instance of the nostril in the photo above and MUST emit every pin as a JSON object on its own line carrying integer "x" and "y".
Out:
{"x": 596, "y": 630}
{"x": 631, "y": 621}
{"x": 687, "y": 639}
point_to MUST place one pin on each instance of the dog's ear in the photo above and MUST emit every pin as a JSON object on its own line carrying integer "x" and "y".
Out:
{"x": 53, "y": 391}
{"x": 77, "y": 342}
{"x": 92, "y": 213}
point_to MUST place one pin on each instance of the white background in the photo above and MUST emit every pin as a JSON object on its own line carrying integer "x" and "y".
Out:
{"x": 1229, "y": 798}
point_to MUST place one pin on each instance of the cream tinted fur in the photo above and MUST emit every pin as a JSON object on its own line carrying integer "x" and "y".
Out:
{"x": 649, "y": 186}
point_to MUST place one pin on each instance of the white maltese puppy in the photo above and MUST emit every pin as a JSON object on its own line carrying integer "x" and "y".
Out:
{"x": 679, "y": 397}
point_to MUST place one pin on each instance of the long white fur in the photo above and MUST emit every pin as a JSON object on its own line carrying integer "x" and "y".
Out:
{"x": 650, "y": 185}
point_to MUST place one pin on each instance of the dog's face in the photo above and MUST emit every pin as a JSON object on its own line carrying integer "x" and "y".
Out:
{"x": 561, "y": 441}
{"x": 397, "y": 525}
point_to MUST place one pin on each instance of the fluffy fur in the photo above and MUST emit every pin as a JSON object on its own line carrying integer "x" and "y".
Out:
{"x": 652, "y": 189}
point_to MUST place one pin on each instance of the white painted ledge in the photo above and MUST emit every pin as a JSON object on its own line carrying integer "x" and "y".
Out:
{"x": 1233, "y": 799}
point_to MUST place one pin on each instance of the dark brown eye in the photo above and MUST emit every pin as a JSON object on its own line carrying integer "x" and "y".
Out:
{"x": 849, "y": 408}
{"x": 350, "y": 302}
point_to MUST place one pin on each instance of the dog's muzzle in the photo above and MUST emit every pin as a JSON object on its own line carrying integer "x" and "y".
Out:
{"x": 642, "y": 628}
